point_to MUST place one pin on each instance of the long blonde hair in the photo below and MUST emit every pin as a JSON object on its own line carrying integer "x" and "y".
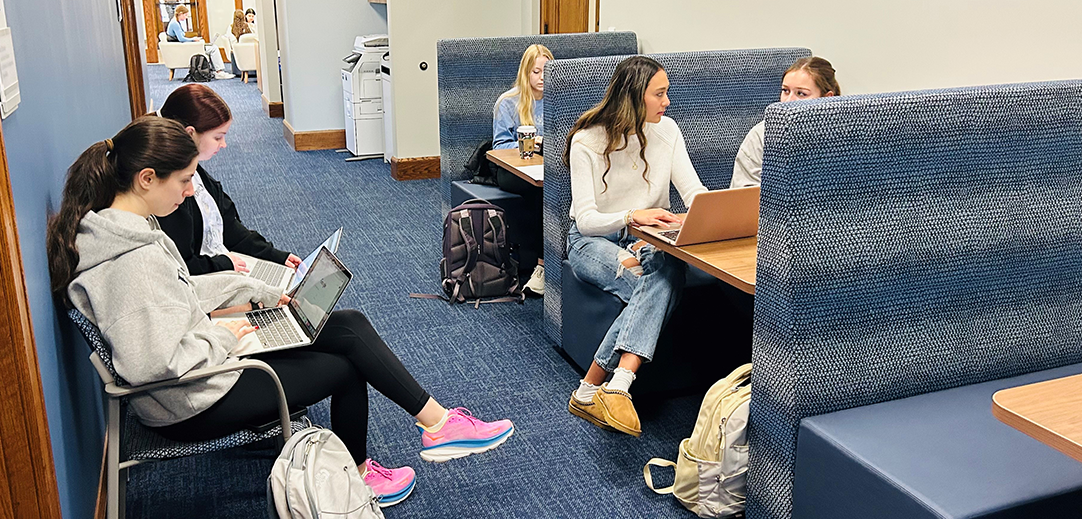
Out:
{"x": 240, "y": 27}
{"x": 622, "y": 112}
{"x": 522, "y": 87}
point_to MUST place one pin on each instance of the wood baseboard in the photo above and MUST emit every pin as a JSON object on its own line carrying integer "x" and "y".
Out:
{"x": 313, "y": 140}
{"x": 415, "y": 168}
{"x": 103, "y": 494}
{"x": 275, "y": 110}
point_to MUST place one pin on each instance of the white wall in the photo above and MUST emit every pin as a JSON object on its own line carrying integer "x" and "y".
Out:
{"x": 877, "y": 46}
{"x": 414, "y": 26}
{"x": 267, "y": 32}
{"x": 220, "y": 16}
{"x": 313, "y": 38}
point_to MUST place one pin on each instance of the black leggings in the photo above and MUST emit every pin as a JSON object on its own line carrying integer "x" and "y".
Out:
{"x": 531, "y": 245}
{"x": 347, "y": 356}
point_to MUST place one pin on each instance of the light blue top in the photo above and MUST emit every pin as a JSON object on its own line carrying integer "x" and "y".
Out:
{"x": 505, "y": 122}
{"x": 176, "y": 31}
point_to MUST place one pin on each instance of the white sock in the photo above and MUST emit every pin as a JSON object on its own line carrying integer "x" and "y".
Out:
{"x": 585, "y": 392}
{"x": 621, "y": 380}
{"x": 438, "y": 425}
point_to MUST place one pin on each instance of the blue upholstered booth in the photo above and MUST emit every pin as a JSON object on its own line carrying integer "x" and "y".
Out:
{"x": 473, "y": 72}
{"x": 910, "y": 243}
{"x": 717, "y": 96}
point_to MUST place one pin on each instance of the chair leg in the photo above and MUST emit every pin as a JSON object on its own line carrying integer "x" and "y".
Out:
{"x": 170, "y": 74}
{"x": 244, "y": 77}
{"x": 114, "y": 485}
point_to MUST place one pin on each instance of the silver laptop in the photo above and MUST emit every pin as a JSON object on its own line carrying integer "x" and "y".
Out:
{"x": 714, "y": 216}
{"x": 299, "y": 322}
{"x": 281, "y": 276}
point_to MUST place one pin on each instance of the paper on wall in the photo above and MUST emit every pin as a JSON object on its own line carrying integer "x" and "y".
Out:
{"x": 9, "y": 80}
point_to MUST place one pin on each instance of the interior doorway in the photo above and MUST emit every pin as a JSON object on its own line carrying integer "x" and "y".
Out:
{"x": 564, "y": 16}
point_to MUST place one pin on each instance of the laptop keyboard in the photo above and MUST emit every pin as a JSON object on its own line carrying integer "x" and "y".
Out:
{"x": 268, "y": 272}
{"x": 671, "y": 235}
{"x": 273, "y": 327}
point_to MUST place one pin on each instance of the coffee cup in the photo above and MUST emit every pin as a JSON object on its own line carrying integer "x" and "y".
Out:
{"x": 526, "y": 137}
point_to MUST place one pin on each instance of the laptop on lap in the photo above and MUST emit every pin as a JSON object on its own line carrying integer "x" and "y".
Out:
{"x": 299, "y": 322}
{"x": 281, "y": 276}
{"x": 714, "y": 216}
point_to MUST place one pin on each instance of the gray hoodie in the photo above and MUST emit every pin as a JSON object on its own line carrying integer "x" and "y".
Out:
{"x": 132, "y": 283}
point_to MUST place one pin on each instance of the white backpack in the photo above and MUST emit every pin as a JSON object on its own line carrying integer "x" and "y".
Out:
{"x": 315, "y": 477}
{"x": 711, "y": 471}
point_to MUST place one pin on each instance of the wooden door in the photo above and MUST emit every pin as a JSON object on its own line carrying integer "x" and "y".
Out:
{"x": 27, "y": 477}
{"x": 153, "y": 24}
{"x": 133, "y": 59}
{"x": 563, "y": 16}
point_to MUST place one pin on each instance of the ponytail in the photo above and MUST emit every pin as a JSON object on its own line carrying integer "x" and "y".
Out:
{"x": 103, "y": 171}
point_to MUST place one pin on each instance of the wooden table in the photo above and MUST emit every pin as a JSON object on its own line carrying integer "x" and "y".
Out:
{"x": 732, "y": 261}
{"x": 1049, "y": 411}
{"x": 509, "y": 159}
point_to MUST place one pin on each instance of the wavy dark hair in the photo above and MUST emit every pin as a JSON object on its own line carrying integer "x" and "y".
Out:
{"x": 622, "y": 112}
{"x": 197, "y": 106}
{"x": 821, "y": 71}
{"x": 103, "y": 171}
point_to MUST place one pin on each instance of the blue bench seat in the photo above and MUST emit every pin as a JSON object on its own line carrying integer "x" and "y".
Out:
{"x": 939, "y": 454}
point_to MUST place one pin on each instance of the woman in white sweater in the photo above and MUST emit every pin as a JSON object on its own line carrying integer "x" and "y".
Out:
{"x": 623, "y": 154}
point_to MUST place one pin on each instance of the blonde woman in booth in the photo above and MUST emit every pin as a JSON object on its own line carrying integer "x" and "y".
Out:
{"x": 807, "y": 78}
{"x": 623, "y": 155}
{"x": 109, "y": 259}
{"x": 523, "y": 105}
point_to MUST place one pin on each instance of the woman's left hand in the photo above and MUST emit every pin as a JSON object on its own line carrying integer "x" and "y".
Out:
{"x": 237, "y": 309}
{"x": 284, "y": 300}
{"x": 293, "y": 261}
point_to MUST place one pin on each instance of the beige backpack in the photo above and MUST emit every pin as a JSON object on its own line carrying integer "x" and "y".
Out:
{"x": 711, "y": 471}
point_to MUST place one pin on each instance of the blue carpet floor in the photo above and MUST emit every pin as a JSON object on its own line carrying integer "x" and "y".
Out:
{"x": 493, "y": 360}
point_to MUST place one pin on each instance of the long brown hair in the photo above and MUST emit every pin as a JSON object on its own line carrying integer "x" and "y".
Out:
{"x": 197, "y": 106}
{"x": 522, "y": 87}
{"x": 821, "y": 71}
{"x": 622, "y": 112}
{"x": 104, "y": 170}
{"x": 240, "y": 25}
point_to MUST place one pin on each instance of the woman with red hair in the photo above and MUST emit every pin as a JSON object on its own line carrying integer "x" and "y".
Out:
{"x": 207, "y": 228}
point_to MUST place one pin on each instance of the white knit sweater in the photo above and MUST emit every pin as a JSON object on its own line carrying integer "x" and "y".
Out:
{"x": 598, "y": 210}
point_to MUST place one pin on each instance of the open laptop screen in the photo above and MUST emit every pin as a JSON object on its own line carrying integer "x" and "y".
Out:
{"x": 331, "y": 243}
{"x": 319, "y": 291}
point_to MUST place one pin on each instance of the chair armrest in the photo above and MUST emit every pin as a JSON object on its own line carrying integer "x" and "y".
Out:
{"x": 115, "y": 391}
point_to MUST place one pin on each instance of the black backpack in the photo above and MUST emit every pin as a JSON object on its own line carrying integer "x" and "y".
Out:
{"x": 477, "y": 261}
{"x": 479, "y": 168}
{"x": 200, "y": 69}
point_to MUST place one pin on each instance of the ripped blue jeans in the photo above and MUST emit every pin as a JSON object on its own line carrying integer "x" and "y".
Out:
{"x": 650, "y": 296}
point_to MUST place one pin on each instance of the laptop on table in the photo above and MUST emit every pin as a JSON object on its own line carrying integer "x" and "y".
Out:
{"x": 299, "y": 322}
{"x": 714, "y": 216}
{"x": 281, "y": 276}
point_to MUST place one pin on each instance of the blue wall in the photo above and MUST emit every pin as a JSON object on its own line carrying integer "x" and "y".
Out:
{"x": 71, "y": 75}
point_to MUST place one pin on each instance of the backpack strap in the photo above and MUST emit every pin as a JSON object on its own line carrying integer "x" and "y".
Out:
{"x": 657, "y": 462}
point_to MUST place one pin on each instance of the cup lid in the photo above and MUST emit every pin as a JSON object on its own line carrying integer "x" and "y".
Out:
{"x": 527, "y": 128}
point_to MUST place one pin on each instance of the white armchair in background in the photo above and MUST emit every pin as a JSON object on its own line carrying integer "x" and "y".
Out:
{"x": 175, "y": 54}
{"x": 244, "y": 55}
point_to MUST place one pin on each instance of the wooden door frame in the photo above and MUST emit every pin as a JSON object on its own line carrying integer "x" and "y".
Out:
{"x": 28, "y": 485}
{"x": 133, "y": 57}
{"x": 153, "y": 26}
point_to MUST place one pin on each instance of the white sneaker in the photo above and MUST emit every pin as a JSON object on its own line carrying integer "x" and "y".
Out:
{"x": 223, "y": 75}
{"x": 536, "y": 284}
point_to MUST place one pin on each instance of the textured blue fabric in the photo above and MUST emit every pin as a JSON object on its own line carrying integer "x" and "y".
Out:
{"x": 473, "y": 72}
{"x": 936, "y": 455}
{"x": 717, "y": 96}
{"x": 910, "y": 242}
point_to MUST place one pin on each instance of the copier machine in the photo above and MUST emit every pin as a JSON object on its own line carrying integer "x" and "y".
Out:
{"x": 362, "y": 95}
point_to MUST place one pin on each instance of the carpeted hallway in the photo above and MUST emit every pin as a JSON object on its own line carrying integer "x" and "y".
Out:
{"x": 494, "y": 360}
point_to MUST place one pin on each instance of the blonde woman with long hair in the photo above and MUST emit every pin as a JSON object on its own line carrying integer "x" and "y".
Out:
{"x": 523, "y": 105}
{"x": 623, "y": 155}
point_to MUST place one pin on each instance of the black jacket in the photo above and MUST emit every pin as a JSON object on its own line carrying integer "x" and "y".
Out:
{"x": 185, "y": 227}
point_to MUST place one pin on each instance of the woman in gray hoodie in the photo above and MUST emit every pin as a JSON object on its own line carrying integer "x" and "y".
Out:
{"x": 109, "y": 259}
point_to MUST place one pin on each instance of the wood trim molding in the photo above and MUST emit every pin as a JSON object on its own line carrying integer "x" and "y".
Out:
{"x": 26, "y": 460}
{"x": 153, "y": 27}
{"x": 415, "y": 168}
{"x": 275, "y": 110}
{"x": 133, "y": 59}
{"x": 313, "y": 140}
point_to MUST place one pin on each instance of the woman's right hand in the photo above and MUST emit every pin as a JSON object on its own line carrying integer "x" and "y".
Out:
{"x": 655, "y": 217}
{"x": 238, "y": 264}
{"x": 239, "y": 328}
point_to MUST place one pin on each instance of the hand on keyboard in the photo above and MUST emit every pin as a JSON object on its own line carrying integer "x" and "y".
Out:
{"x": 656, "y": 217}
{"x": 239, "y": 328}
{"x": 238, "y": 264}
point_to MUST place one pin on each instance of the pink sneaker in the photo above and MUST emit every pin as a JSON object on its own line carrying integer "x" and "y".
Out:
{"x": 463, "y": 434}
{"x": 391, "y": 485}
